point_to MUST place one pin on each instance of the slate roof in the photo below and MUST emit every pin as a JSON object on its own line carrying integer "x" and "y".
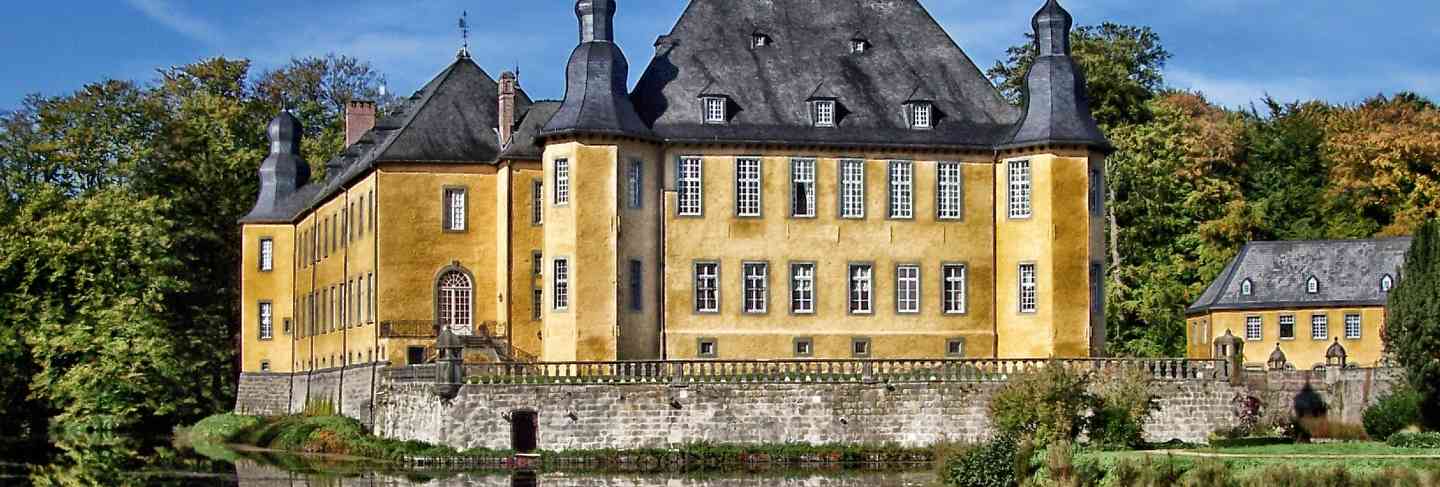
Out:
{"x": 526, "y": 144}
{"x": 596, "y": 80}
{"x": 1349, "y": 272}
{"x": 709, "y": 50}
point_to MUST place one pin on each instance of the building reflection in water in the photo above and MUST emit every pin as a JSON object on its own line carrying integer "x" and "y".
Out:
{"x": 252, "y": 474}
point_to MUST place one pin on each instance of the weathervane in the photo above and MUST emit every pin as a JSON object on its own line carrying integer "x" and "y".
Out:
{"x": 464, "y": 35}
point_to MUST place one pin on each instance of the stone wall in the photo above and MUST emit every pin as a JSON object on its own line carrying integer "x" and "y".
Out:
{"x": 350, "y": 389}
{"x": 263, "y": 393}
{"x": 1346, "y": 391}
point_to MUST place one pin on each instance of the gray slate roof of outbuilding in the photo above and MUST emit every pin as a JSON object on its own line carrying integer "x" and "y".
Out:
{"x": 1349, "y": 272}
{"x": 710, "y": 48}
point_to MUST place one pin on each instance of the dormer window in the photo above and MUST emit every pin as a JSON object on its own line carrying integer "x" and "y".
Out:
{"x": 1247, "y": 288}
{"x": 1312, "y": 285}
{"x": 858, "y": 46}
{"x": 1387, "y": 283}
{"x": 824, "y": 113}
{"x": 714, "y": 108}
{"x": 921, "y": 114}
{"x": 759, "y": 40}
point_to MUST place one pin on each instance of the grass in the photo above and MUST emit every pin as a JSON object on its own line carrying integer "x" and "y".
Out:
{"x": 1265, "y": 459}
{"x": 1344, "y": 448}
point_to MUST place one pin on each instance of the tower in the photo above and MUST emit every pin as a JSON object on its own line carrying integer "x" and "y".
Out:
{"x": 1049, "y": 184}
{"x": 602, "y": 208}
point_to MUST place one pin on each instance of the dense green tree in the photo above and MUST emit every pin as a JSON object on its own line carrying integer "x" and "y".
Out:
{"x": 317, "y": 89}
{"x": 1412, "y": 322}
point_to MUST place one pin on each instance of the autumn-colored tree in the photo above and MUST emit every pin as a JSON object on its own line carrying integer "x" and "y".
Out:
{"x": 1386, "y": 163}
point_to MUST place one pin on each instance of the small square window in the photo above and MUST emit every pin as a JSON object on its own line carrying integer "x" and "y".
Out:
{"x": 860, "y": 347}
{"x": 715, "y": 109}
{"x": 921, "y": 115}
{"x": 760, "y": 40}
{"x": 955, "y": 348}
{"x": 824, "y": 113}
{"x": 858, "y": 46}
{"x": 707, "y": 348}
{"x": 1287, "y": 327}
{"x": 264, "y": 365}
{"x": 414, "y": 355}
{"x": 1352, "y": 326}
{"x": 1253, "y": 328}
{"x": 804, "y": 347}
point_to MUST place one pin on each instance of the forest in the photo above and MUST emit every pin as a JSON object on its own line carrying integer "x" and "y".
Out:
{"x": 119, "y": 260}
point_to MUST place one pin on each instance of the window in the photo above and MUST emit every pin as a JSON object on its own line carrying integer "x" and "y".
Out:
{"x": 1319, "y": 327}
{"x": 759, "y": 40}
{"x": 860, "y": 347}
{"x": 902, "y": 197}
{"x": 414, "y": 355}
{"x": 362, "y": 304}
{"x": 344, "y": 226}
{"x": 537, "y": 202}
{"x": 824, "y": 113}
{"x": 714, "y": 109}
{"x": 1247, "y": 288}
{"x": 852, "y": 189}
{"x": 920, "y": 114}
{"x": 707, "y": 287}
{"x": 1019, "y": 173}
{"x": 637, "y": 290}
{"x": 1253, "y": 331}
{"x": 802, "y": 192}
{"x": 955, "y": 348}
{"x": 635, "y": 182}
{"x": 858, "y": 46}
{"x": 706, "y": 348}
{"x": 804, "y": 347}
{"x": 537, "y": 264}
{"x": 907, "y": 289}
{"x": 361, "y": 226}
{"x": 1287, "y": 327}
{"x": 267, "y": 255}
{"x": 747, "y": 187}
{"x": 455, "y": 295}
{"x": 537, "y": 299}
{"x": 454, "y": 209}
{"x": 1027, "y": 288}
{"x": 1387, "y": 283}
{"x": 264, "y": 365}
{"x": 562, "y": 284}
{"x": 371, "y": 301}
{"x": 340, "y": 308}
{"x": 691, "y": 188}
{"x": 372, "y": 211}
{"x": 954, "y": 290}
{"x": 949, "y": 193}
{"x": 861, "y": 291}
{"x": 267, "y": 321}
{"x": 562, "y": 182}
{"x": 802, "y": 288}
{"x": 1312, "y": 285}
{"x": 1352, "y": 326}
{"x": 757, "y": 287}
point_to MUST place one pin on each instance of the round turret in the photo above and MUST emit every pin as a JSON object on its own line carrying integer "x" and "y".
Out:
{"x": 285, "y": 133}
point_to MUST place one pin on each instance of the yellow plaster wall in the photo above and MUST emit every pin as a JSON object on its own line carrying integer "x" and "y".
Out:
{"x": 1302, "y": 351}
{"x": 332, "y": 337}
{"x": 832, "y": 243}
{"x": 524, "y": 238}
{"x": 275, "y": 286}
{"x": 639, "y": 239}
{"x": 584, "y": 232}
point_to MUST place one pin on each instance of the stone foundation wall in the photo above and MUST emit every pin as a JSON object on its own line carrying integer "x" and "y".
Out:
{"x": 350, "y": 390}
{"x": 263, "y": 394}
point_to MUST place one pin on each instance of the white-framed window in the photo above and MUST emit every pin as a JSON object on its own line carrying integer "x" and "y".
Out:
{"x": 370, "y": 302}
{"x": 1254, "y": 328}
{"x": 802, "y": 188}
{"x": 954, "y": 288}
{"x": 747, "y": 186}
{"x": 691, "y": 186}
{"x": 267, "y": 321}
{"x": 1287, "y": 327}
{"x": 862, "y": 290}
{"x": 537, "y": 202}
{"x": 362, "y": 304}
{"x": 852, "y": 188}
{"x": 1312, "y": 285}
{"x": 707, "y": 287}
{"x": 1319, "y": 327}
{"x": 824, "y": 113}
{"x": 907, "y": 288}
{"x": 759, "y": 40}
{"x": 949, "y": 191}
{"x": 802, "y": 288}
{"x": 455, "y": 295}
{"x": 562, "y": 182}
{"x": 1352, "y": 326}
{"x": 264, "y": 365}
{"x": 537, "y": 300}
{"x": 714, "y": 109}
{"x": 757, "y": 287}
{"x": 902, "y": 189}
{"x": 455, "y": 209}
{"x": 1247, "y": 287}
{"x": 1387, "y": 283}
{"x": 637, "y": 285}
{"x": 267, "y": 254}
{"x": 920, "y": 115}
{"x": 561, "y": 284}
{"x": 1028, "y": 290}
{"x": 955, "y": 348}
{"x": 860, "y": 347}
{"x": 362, "y": 219}
{"x": 858, "y": 46}
{"x": 635, "y": 183}
{"x": 1019, "y": 188}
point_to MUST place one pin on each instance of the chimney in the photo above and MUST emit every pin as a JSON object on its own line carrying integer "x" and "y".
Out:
{"x": 359, "y": 118}
{"x": 507, "y": 107}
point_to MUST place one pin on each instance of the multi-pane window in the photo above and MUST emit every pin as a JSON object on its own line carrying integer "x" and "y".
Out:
{"x": 340, "y": 309}
{"x": 267, "y": 321}
{"x": 537, "y": 299}
{"x": 825, "y": 113}
{"x": 862, "y": 291}
{"x": 707, "y": 287}
{"x": 920, "y": 115}
{"x": 361, "y": 229}
{"x": 954, "y": 291}
{"x": 691, "y": 187}
{"x": 949, "y": 193}
{"x": 562, "y": 284}
{"x": 1312, "y": 285}
{"x": 1352, "y": 326}
{"x": 1247, "y": 287}
{"x": 902, "y": 189}
{"x": 455, "y": 295}
{"x": 1019, "y": 188}
{"x": 802, "y": 188}
{"x": 370, "y": 302}
{"x": 747, "y": 186}
{"x": 562, "y": 182}
{"x": 907, "y": 289}
{"x": 852, "y": 189}
{"x": 1253, "y": 326}
{"x": 455, "y": 209}
{"x": 1319, "y": 327}
{"x": 757, "y": 286}
{"x": 714, "y": 109}
{"x": 267, "y": 254}
{"x": 635, "y": 183}
{"x": 1287, "y": 327}
{"x": 537, "y": 202}
{"x": 1027, "y": 289}
{"x": 637, "y": 289}
{"x": 802, "y": 288}
{"x": 537, "y": 263}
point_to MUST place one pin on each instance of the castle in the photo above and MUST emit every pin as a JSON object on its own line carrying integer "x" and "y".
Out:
{"x": 788, "y": 179}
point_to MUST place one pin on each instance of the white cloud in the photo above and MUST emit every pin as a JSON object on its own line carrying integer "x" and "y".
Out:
{"x": 1241, "y": 92}
{"x": 172, "y": 16}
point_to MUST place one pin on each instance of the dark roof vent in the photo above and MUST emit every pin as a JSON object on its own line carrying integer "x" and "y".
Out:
{"x": 859, "y": 45}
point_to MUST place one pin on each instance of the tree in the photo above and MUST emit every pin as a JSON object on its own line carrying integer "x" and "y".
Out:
{"x": 317, "y": 89}
{"x": 1384, "y": 174}
{"x": 1412, "y": 321}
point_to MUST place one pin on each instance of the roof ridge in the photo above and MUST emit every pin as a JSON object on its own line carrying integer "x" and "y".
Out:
{"x": 424, "y": 102}
{"x": 1328, "y": 240}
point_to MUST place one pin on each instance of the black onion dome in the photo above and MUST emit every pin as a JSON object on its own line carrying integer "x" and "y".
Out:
{"x": 596, "y": 81}
{"x": 1057, "y": 108}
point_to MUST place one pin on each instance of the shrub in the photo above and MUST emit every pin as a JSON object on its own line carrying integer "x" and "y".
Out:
{"x": 1406, "y": 439}
{"x": 1047, "y": 404}
{"x": 1123, "y": 403}
{"x": 1392, "y": 413}
{"x": 319, "y": 407}
{"x": 992, "y": 464}
{"x": 221, "y": 428}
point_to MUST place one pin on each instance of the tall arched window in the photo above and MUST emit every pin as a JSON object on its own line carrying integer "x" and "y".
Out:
{"x": 454, "y": 295}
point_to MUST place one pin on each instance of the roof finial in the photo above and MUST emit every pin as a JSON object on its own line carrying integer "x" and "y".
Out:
{"x": 1052, "y": 29}
{"x": 464, "y": 36}
{"x": 597, "y": 20}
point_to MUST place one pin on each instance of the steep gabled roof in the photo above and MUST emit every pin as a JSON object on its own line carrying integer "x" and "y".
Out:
{"x": 810, "y": 45}
{"x": 1349, "y": 273}
{"x": 526, "y": 143}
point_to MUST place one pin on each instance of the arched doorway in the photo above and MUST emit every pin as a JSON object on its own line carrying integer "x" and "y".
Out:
{"x": 524, "y": 431}
{"x": 454, "y": 298}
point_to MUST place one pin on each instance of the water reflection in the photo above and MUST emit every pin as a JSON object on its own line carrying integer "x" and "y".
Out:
{"x": 252, "y": 474}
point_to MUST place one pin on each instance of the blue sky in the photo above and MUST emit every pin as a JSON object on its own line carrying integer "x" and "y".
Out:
{"x": 1233, "y": 50}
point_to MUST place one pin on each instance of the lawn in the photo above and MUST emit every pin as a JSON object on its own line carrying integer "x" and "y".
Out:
{"x": 1354, "y": 457}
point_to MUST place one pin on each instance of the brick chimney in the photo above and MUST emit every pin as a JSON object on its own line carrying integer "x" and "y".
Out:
{"x": 508, "y": 86}
{"x": 359, "y": 118}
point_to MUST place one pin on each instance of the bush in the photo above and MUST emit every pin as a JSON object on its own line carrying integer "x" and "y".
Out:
{"x": 220, "y": 428}
{"x": 1123, "y": 403}
{"x": 319, "y": 407}
{"x": 1406, "y": 439}
{"x": 991, "y": 464}
{"x": 1392, "y": 413}
{"x": 1047, "y": 404}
